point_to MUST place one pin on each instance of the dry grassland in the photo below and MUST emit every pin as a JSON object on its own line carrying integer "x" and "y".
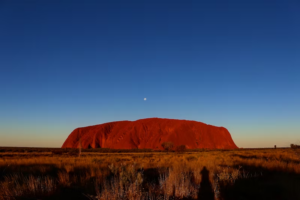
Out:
{"x": 212, "y": 175}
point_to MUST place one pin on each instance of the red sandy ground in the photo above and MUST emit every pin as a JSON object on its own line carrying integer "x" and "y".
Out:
{"x": 150, "y": 134}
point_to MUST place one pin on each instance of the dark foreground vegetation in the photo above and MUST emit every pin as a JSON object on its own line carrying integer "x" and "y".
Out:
{"x": 41, "y": 173}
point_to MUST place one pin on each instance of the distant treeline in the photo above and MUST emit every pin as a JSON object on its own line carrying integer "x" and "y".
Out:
{"x": 294, "y": 146}
{"x": 91, "y": 150}
{"x": 68, "y": 150}
{"x": 108, "y": 150}
{"x": 26, "y": 149}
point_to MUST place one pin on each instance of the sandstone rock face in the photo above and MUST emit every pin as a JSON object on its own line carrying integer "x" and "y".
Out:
{"x": 150, "y": 134}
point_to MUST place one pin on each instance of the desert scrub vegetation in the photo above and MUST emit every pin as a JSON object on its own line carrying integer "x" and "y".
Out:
{"x": 218, "y": 175}
{"x": 167, "y": 145}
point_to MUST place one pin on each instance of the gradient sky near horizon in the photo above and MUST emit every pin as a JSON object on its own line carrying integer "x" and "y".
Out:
{"x": 68, "y": 64}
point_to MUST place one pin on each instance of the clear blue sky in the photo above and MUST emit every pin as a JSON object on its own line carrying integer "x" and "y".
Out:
{"x": 228, "y": 63}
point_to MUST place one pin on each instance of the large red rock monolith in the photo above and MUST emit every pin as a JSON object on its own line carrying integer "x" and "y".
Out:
{"x": 150, "y": 134}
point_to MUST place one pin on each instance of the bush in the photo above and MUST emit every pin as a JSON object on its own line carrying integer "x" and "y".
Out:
{"x": 167, "y": 146}
{"x": 58, "y": 152}
{"x": 73, "y": 152}
{"x": 294, "y": 146}
{"x": 191, "y": 158}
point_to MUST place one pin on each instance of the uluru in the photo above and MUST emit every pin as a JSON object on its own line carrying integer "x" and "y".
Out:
{"x": 150, "y": 133}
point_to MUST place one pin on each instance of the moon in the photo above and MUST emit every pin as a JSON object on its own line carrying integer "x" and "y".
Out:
{"x": 145, "y": 99}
